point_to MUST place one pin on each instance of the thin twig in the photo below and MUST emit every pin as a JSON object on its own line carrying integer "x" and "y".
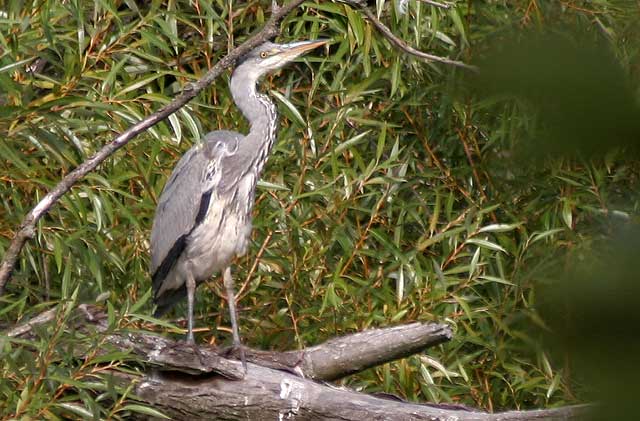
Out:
{"x": 399, "y": 43}
{"x": 27, "y": 228}
{"x": 254, "y": 266}
{"x": 436, "y": 4}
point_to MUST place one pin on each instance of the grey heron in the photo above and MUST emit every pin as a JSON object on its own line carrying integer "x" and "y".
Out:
{"x": 203, "y": 218}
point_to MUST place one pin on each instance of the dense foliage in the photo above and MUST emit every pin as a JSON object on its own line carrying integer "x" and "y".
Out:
{"x": 393, "y": 194}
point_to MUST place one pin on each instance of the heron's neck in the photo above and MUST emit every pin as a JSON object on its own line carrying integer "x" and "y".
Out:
{"x": 262, "y": 116}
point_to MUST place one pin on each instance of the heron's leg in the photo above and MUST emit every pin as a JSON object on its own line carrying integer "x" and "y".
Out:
{"x": 231, "y": 299}
{"x": 191, "y": 292}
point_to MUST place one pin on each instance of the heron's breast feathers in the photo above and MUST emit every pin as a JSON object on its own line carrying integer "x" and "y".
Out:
{"x": 220, "y": 230}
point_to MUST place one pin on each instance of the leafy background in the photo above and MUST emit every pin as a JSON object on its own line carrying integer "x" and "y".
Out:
{"x": 397, "y": 191}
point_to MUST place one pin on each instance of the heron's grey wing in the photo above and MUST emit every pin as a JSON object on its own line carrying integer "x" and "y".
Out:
{"x": 178, "y": 207}
{"x": 183, "y": 203}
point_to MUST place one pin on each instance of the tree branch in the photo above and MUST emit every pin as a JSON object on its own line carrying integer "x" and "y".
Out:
{"x": 197, "y": 383}
{"x": 271, "y": 394}
{"x": 346, "y": 355}
{"x": 401, "y": 44}
{"x": 331, "y": 360}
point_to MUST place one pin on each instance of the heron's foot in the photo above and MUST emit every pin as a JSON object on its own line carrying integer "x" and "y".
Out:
{"x": 191, "y": 343}
{"x": 235, "y": 351}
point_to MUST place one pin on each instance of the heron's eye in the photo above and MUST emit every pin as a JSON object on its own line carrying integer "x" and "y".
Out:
{"x": 264, "y": 54}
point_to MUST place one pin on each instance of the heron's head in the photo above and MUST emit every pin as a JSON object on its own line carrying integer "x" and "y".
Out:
{"x": 226, "y": 147}
{"x": 268, "y": 57}
{"x": 220, "y": 144}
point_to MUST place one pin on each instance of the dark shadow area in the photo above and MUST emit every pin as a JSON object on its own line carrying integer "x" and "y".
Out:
{"x": 592, "y": 311}
{"x": 583, "y": 99}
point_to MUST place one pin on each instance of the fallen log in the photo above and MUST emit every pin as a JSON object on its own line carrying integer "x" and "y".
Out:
{"x": 187, "y": 382}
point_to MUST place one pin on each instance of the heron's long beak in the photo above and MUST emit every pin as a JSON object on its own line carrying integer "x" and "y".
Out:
{"x": 296, "y": 49}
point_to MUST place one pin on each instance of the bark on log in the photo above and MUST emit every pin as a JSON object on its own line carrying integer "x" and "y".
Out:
{"x": 330, "y": 360}
{"x": 188, "y": 382}
{"x": 267, "y": 394}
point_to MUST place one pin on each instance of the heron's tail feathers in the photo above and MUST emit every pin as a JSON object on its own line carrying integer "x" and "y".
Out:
{"x": 168, "y": 299}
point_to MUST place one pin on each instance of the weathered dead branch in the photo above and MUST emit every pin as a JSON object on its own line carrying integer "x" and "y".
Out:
{"x": 200, "y": 383}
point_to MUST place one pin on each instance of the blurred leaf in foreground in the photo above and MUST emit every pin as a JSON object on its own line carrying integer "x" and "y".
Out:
{"x": 594, "y": 314}
{"x": 583, "y": 98}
